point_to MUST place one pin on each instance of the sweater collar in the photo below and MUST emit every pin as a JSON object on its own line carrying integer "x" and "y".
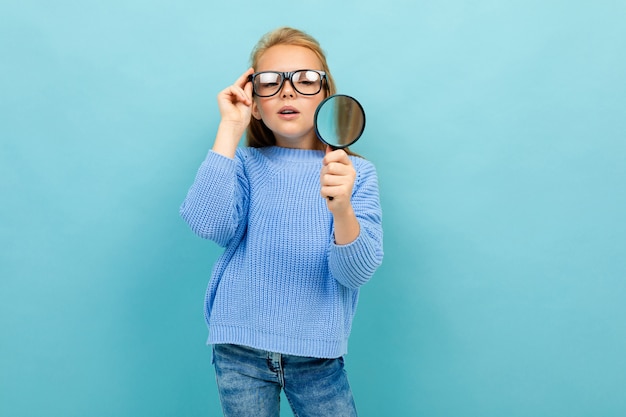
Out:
{"x": 290, "y": 154}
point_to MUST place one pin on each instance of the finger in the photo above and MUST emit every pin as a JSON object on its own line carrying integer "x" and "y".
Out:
{"x": 237, "y": 94}
{"x": 248, "y": 91}
{"x": 328, "y": 191}
{"x": 328, "y": 156}
{"x": 334, "y": 193}
{"x": 333, "y": 181}
{"x": 243, "y": 79}
{"x": 338, "y": 155}
{"x": 241, "y": 89}
{"x": 338, "y": 168}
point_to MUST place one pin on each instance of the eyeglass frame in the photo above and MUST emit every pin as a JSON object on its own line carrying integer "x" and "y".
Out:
{"x": 288, "y": 76}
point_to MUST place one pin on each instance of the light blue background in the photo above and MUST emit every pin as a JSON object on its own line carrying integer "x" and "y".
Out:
{"x": 499, "y": 133}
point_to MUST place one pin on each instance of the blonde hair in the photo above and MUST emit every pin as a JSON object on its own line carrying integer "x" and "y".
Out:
{"x": 258, "y": 134}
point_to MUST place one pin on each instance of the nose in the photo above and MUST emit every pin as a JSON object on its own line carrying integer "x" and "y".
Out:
{"x": 287, "y": 89}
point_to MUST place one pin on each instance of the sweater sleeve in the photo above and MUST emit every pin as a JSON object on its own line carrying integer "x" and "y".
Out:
{"x": 355, "y": 263}
{"x": 217, "y": 201}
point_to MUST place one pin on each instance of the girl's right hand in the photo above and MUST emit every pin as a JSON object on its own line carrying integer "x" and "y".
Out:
{"x": 235, "y": 102}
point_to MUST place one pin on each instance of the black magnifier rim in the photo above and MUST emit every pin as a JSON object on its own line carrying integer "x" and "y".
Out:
{"x": 315, "y": 121}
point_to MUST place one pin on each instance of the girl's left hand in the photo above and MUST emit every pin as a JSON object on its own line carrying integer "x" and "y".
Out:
{"x": 337, "y": 180}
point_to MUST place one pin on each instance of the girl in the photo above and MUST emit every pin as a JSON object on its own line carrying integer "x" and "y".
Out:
{"x": 281, "y": 298}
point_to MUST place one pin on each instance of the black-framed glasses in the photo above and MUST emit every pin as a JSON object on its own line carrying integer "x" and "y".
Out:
{"x": 306, "y": 82}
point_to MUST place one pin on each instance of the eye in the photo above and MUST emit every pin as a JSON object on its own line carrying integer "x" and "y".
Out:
{"x": 306, "y": 77}
{"x": 268, "y": 79}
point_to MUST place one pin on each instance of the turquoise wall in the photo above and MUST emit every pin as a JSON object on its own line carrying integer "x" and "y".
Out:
{"x": 499, "y": 133}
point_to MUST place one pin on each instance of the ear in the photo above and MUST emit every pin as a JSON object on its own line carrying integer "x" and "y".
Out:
{"x": 255, "y": 110}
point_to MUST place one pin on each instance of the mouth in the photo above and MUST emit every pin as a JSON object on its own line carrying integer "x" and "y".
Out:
{"x": 288, "y": 110}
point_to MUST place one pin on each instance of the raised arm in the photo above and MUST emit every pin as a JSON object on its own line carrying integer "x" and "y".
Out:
{"x": 235, "y": 105}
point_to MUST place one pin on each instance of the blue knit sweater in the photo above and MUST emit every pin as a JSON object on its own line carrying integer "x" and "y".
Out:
{"x": 282, "y": 284}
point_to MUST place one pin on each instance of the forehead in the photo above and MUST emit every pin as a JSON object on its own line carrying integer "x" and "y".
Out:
{"x": 287, "y": 58}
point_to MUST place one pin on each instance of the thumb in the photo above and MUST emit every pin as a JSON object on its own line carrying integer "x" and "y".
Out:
{"x": 248, "y": 89}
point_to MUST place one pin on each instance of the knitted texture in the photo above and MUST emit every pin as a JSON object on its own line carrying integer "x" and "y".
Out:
{"x": 282, "y": 284}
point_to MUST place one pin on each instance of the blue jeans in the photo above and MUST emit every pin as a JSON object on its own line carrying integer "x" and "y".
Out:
{"x": 249, "y": 383}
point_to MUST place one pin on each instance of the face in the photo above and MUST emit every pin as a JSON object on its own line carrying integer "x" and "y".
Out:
{"x": 289, "y": 114}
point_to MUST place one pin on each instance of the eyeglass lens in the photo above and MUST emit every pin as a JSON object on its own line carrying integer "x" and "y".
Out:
{"x": 305, "y": 82}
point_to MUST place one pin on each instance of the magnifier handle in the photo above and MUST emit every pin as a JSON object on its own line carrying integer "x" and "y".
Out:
{"x": 330, "y": 148}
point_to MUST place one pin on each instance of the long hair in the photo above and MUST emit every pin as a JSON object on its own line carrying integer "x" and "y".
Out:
{"x": 258, "y": 134}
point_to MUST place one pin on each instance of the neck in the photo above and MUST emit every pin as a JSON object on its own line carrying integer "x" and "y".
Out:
{"x": 310, "y": 141}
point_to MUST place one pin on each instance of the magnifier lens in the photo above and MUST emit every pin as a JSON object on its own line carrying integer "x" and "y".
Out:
{"x": 339, "y": 121}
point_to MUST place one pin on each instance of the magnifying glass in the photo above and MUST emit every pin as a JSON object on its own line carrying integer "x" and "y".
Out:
{"x": 339, "y": 121}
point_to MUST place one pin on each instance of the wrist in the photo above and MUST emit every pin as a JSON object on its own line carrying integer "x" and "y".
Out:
{"x": 232, "y": 129}
{"x": 343, "y": 213}
{"x": 227, "y": 138}
{"x": 347, "y": 227}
